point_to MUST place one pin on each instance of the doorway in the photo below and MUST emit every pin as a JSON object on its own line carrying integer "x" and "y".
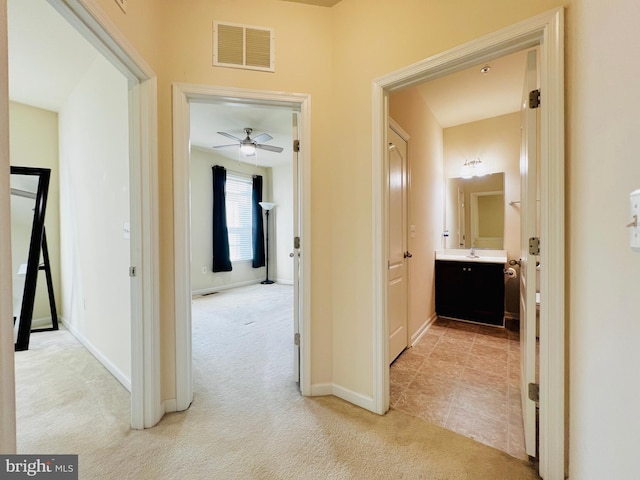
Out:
{"x": 476, "y": 368}
{"x": 544, "y": 31}
{"x": 139, "y": 86}
{"x": 184, "y": 96}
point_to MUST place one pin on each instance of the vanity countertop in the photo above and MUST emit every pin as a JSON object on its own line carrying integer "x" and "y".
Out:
{"x": 464, "y": 255}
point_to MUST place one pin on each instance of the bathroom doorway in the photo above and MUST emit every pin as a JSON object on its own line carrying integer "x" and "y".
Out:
{"x": 460, "y": 375}
{"x": 545, "y": 32}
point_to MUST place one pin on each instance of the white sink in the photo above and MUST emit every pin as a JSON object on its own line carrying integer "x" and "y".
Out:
{"x": 464, "y": 255}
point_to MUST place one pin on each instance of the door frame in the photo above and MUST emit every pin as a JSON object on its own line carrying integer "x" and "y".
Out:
{"x": 546, "y": 31}
{"x": 94, "y": 25}
{"x": 182, "y": 95}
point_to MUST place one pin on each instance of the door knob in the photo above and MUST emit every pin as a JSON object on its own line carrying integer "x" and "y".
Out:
{"x": 291, "y": 254}
{"x": 408, "y": 255}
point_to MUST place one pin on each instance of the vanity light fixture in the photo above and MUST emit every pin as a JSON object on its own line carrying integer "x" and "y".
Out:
{"x": 473, "y": 168}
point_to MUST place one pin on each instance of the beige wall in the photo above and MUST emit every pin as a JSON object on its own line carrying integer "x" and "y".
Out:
{"x": 604, "y": 272}
{"x": 408, "y": 108}
{"x": 202, "y": 223}
{"x": 333, "y": 54}
{"x": 358, "y": 40}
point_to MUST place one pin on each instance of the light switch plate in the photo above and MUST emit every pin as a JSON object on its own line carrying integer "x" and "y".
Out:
{"x": 634, "y": 230}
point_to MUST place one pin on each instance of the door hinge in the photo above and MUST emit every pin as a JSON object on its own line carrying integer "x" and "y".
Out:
{"x": 132, "y": 271}
{"x": 296, "y": 145}
{"x": 534, "y": 246}
{"x": 296, "y": 242}
{"x": 534, "y": 98}
{"x": 534, "y": 392}
{"x": 296, "y": 339}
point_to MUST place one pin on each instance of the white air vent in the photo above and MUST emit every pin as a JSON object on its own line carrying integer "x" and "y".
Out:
{"x": 243, "y": 46}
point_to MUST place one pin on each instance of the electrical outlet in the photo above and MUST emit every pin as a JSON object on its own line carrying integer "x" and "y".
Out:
{"x": 204, "y": 270}
{"x": 122, "y": 4}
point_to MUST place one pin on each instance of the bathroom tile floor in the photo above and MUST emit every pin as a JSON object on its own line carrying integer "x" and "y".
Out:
{"x": 465, "y": 378}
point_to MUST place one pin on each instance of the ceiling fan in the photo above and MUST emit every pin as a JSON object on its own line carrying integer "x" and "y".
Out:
{"x": 249, "y": 145}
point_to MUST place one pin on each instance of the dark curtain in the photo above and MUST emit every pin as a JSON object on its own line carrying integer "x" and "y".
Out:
{"x": 221, "y": 260}
{"x": 257, "y": 230}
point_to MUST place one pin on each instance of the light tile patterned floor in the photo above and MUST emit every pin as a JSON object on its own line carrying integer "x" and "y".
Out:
{"x": 466, "y": 378}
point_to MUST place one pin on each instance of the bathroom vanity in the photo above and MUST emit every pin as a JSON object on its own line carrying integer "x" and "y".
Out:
{"x": 470, "y": 285}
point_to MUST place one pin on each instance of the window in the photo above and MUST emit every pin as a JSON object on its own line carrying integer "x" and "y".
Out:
{"x": 238, "y": 197}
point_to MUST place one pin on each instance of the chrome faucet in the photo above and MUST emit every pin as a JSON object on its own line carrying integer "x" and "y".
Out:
{"x": 472, "y": 253}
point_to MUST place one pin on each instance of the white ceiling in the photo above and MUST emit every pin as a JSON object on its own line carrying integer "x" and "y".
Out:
{"x": 47, "y": 58}
{"x": 469, "y": 95}
{"x": 207, "y": 119}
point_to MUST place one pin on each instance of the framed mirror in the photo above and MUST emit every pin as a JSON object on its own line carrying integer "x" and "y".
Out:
{"x": 474, "y": 212}
{"x": 29, "y": 191}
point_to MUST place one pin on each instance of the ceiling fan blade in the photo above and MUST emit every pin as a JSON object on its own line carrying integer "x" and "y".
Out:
{"x": 222, "y": 146}
{"x": 263, "y": 137}
{"x": 270, "y": 148}
{"x": 228, "y": 135}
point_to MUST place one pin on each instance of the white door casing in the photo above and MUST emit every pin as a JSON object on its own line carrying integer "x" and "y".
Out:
{"x": 397, "y": 285}
{"x": 546, "y": 31}
{"x": 92, "y": 23}
{"x": 528, "y": 184}
{"x": 295, "y": 254}
{"x": 182, "y": 95}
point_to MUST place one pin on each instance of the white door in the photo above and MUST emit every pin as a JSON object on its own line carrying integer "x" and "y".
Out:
{"x": 397, "y": 255}
{"x": 528, "y": 179}
{"x": 295, "y": 254}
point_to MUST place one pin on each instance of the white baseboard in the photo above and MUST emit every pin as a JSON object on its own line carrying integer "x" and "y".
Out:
{"x": 115, "y": 371}
{"x": 220, "y": 288}
{"x": 415, "y": 338}
{"x": 358, "y": 399}
{"x": 284, "y": 281}
{"x": 170, "y": 405}
{"x": 323, "y": 389}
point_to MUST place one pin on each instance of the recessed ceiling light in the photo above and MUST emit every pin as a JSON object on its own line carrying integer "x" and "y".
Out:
{"x": 484, "y": 70}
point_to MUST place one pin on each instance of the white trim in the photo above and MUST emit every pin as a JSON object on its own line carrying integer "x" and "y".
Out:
{"x": 182, "y": 95}
{"x": 321, "y": 389}
{"x": 89, "y": 19}
{"x": 220, "y": 288}
{"x": 325, "y": 389}
{"x": 417, "y": 336}
{"x": 106, "y": 363}
{"x": 358, "y": 399}
{"x": 547, "y": 31}
{"x": 169, "y": 405}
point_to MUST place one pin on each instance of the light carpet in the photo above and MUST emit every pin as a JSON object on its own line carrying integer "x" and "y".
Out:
{"x": 247, "y": 421}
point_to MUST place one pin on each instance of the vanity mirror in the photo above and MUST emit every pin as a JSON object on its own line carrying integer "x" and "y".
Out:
{"x": 474, "y": 212}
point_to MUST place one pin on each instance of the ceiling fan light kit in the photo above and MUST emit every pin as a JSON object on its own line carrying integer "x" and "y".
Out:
{"x": 249, "y": 145}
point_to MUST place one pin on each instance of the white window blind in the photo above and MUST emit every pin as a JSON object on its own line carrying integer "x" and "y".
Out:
{"x": 238, "y": 197}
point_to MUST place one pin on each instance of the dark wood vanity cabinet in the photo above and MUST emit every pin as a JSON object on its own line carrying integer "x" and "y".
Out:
{"x": 472, "y": 291}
